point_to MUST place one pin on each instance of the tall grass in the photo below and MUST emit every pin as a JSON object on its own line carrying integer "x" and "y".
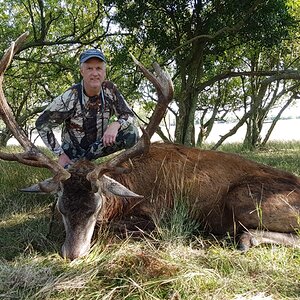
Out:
{"x": 172, "y": 263}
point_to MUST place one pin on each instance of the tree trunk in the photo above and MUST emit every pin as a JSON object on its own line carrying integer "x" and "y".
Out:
{"x": 276, "y": 119}
{"x": 185, "y": 129}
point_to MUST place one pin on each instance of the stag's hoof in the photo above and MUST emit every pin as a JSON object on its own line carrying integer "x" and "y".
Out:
{"x": 247, "y": 241}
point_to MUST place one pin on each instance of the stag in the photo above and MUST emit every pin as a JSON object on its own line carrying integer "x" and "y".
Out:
{"x": 224, "y": 192}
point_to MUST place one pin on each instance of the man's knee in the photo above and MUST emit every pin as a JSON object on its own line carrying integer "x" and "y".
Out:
{"x": 129, "y": 136}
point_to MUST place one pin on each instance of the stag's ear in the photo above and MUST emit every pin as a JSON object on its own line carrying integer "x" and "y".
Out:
{"x": 48, "y": 186}
{"x": 110, "y": 185}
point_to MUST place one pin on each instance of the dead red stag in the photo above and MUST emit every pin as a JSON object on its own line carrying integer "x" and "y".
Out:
{"x": 224, "y": 192}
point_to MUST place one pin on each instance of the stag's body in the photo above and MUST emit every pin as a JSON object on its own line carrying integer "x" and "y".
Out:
{"x": 224, "y": 192}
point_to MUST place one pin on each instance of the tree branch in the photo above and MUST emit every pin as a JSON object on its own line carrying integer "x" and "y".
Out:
{"x": 273, "y": 76}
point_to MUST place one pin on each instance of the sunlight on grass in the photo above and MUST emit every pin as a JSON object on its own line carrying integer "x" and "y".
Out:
{"x": 141, "y": 270}
{"x": 21, "y": 217}
{"x": 39, "y": 277}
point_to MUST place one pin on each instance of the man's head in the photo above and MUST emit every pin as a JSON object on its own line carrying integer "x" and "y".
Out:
{"x": 91, "y": 53}
{"x": 92, "y": 70}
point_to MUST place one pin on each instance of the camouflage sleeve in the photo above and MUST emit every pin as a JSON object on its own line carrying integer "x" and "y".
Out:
{"x": 122, "y": 111}
{"x": 60, "y": 109}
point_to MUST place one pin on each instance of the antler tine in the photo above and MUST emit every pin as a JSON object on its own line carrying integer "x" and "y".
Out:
{"x": 32, "y": 156}
{"x": 165, "y": 91}
{"x": 142, "y": 146}
{"x": 164, "y": 88}
{"x": 162, "y": 81}
{"x": 11, "y": 51}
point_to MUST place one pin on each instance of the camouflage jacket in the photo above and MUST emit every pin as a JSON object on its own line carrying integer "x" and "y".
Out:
{"x": 84, "y": 119}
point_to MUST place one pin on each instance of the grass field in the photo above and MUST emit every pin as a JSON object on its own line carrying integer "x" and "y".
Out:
{"x": 172, "y": 264}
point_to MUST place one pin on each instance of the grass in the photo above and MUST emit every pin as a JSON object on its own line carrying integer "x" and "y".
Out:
{"x": 173, "y": 264}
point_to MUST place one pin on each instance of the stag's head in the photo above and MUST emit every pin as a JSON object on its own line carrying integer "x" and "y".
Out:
{"x": 79, "y": 204}
{"x": 83, "y": 188}
{"x": 80, "y": 200}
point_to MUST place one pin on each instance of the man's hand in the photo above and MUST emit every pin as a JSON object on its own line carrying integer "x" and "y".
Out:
{"x": 110, "y": 134}
{"x": 64, "y": 160}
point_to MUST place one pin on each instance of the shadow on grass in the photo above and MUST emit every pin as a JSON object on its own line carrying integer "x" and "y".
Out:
{"x": 25, "y": 217}
{"x": 28, "y": 232}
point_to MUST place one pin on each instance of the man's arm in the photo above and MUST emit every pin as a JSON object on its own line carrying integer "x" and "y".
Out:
{"x": 54, "y": 115}
{"x": 123, "y": 113}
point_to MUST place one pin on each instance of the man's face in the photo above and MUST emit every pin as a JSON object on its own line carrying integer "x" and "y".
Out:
{"x": 93, "y": 73}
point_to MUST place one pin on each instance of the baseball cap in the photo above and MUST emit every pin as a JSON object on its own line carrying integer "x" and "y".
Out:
{"x": 86, "y": 55}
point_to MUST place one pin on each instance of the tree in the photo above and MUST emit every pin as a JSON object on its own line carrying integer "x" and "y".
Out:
{"x": 255, "y": 93}
{"x": 194, "y": 38}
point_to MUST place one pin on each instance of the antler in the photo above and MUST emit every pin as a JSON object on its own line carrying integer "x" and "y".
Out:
{"x": 164, "y": 88}
{"x": 32, "y": 156}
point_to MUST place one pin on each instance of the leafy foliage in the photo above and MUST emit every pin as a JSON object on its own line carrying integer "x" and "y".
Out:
{"x": 202, "y": 42}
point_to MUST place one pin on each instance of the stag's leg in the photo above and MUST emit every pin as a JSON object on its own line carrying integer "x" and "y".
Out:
{"x": 253, "y": 238}
{"x": 269, "y": 207}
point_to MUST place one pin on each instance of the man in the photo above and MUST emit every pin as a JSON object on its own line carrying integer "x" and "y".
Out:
{"x": 85, "y": 111}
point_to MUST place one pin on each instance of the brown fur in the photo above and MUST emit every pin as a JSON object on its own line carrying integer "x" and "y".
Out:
{"x": 224, "y": 192}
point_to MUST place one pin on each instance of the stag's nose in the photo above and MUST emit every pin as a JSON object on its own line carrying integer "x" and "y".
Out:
{"x": 73, "y": 253}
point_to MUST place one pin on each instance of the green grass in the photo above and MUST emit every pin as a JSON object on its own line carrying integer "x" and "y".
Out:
{"x": 171, "y": 264}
